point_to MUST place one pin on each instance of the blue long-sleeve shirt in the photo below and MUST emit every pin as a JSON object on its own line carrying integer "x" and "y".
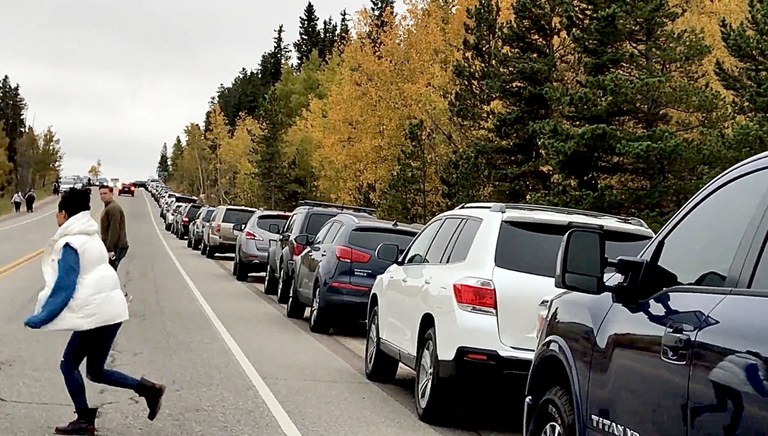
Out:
{"x": 62, "y": 291}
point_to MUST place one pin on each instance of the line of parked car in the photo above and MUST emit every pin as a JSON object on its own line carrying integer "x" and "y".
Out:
{"x": 598, "y": 319}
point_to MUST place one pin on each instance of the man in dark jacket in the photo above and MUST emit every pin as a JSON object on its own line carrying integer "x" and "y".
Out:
{"x": 113, "y": 227}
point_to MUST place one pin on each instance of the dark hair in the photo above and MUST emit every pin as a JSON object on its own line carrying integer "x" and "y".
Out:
{"x": 111, "y": 189}
{"x": 74, "y": 201}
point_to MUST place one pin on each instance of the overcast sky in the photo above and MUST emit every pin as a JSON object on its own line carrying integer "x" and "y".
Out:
{"x": 116, "y": 79}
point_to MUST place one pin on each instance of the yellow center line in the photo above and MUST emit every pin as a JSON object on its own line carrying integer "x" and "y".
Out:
{"x": 20, "y": 262}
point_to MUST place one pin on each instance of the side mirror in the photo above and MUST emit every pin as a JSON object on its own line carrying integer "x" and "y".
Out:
{"x": 285, "y": 237}
{"x": 304, "y": 240}
{"x": 274, "y": 228}
{"x": 388, "y": 252}
{"x": 238, "y": 227}
{"x": 581, "y": 262}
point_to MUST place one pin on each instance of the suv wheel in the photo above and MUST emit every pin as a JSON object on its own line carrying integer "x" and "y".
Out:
{"x": 239, "y": 270}
{"x": 210, "y": 252}
{"x": 379, "y": 366}
{"x": 283, "y": 287}
{"x": 554, "y": 415}
{"x": 295, "y": 309}
{"x": 270, "y": 281}
{"x": 431, "y": 391}
{"x": 203, "y": 248}
{"x": 318, "y": 322}
{"x": 189, "y": 242}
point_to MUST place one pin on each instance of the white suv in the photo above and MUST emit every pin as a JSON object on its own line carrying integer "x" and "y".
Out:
{"x": 467, "y": 293}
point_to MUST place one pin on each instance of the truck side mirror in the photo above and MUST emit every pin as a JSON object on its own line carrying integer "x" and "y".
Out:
{"x": 581, "y": 262}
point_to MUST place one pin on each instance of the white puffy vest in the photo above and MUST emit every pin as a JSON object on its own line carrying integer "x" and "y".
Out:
{"x": 98, "y": 299}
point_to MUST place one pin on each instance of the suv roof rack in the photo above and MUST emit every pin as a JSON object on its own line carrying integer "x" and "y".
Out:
{"x": 307, "y": 203}
{"x": 502, "y": 207}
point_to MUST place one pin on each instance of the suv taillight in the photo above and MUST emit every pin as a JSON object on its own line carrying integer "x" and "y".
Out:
{"x": 252, "y": 236}
{"x": 185, "y": 220}
{"x": 346, "y": 254}
{"x": 216, "y": 229}
{"x": 475, "y": 295}
{"x": 297, "y": 249}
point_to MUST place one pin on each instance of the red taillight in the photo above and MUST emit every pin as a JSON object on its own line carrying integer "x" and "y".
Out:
{"x": 132, "y": 188}
{"x": 252, "y": 236}
{"x": 185, "y": 220}
{"x": 475, "y": 295}
{"x": 351, "y": 287}
{"x": 475, "y": 356}
{"x": 298, "y": 249}
{"x": 346, "y": 254}
{"x": 216, "y": 229}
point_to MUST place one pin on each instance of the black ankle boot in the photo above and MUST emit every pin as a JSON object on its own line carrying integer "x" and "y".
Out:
{"x": 85, "y": 424}
{"x": 153, "y": 394}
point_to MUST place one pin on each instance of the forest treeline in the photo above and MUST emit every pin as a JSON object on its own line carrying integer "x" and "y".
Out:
{"x": 622, "y": 107}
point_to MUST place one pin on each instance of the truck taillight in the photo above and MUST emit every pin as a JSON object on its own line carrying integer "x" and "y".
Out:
{"x": 346, "y": 254}
{"x": 475, "y": 295}
{"x": 252, "y": 236}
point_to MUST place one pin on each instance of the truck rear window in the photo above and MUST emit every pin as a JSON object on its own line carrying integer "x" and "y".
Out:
{"x": 532, "y": 247}
{"x": 264, "y": 221}
{"x": 237, "y": 216}
{"x": 371, "y": 238}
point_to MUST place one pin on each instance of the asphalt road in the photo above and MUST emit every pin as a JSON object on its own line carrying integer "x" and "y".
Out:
{"x": 232, "y": 362}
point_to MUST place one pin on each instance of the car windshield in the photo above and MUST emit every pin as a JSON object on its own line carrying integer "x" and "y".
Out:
{"x": 264, "y": 221}
{"x": 371, "y": 238}
{"x": 237, "y": 216}
{"x": 532, "y": 248}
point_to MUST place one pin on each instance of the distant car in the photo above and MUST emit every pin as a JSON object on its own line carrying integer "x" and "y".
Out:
{"x": 140, "y": 184}
{"x": 219, "y": 236}
{"x": 114, "y": 182}
{"x": 127, "y": 189}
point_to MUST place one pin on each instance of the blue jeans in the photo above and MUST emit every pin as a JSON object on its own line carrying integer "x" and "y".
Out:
{"x": 95, "y": 344}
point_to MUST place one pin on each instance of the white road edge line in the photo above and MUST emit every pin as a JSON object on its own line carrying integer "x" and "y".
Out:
{"x": 28, "y": 221}
{"x": 289, "y": 428}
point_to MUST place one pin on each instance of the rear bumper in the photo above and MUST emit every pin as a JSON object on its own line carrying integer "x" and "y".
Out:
{"x": 479, "y": 362}
{"x": 351, "y": 304}
{"x": 256, "y": 261}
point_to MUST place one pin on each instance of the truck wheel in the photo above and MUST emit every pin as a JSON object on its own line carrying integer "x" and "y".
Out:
{"x": 554, "y": 414}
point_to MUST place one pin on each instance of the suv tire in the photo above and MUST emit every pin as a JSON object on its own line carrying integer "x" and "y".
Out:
{"x": 210, "y": 252}
{"x": 239, "y": 270}
{"x": 554, "y": 413}
{"x": 295, "y": 309}
{"x": 318, "y": 321}
{"x": 379, "y": 366}
{"x": 283, "y": 287}
{"x": 203, "y": 248}
{"x": 431, "y": 392}
{"x": 270, "y": 281}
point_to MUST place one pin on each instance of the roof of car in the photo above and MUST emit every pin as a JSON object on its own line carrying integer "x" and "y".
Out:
{"x": 556, "y": 215}
{"x": 368, "y": 221}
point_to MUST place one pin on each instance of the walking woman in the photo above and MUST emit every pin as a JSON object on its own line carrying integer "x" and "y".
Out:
{"x": 82, "y": 294}
{"x": 30, "y": 198}
{"x": 17, "y": 200}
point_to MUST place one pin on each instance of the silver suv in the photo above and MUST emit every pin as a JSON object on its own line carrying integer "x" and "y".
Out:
{"x": 219, "y": 237}
{"x": 253, "y": 242}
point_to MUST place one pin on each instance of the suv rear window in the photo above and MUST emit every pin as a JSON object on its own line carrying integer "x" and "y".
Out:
{"x": 193, "y": 210}
{"x": 532, "y": 247}
{"x": 208, "y": 215}
{"x": 184, "y": 199}
{"x": 237, "y": 216}
{"x": 264, "y": 221}
{"x": 371, "y": 238}
{"x": 316, "y": 222}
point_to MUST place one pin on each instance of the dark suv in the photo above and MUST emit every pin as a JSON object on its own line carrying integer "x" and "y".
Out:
{"x": 674, "y": 342}
{"x": 127, "y": 189}
{"x": 307, "y": 219}
{"x": 190, "y": 212}
{"x": 334, "y": 277}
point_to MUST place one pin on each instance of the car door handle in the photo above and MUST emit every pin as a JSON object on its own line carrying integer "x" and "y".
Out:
{"x": 404, "y": 280}
{"x": 675, "y": 347}
{"x": 428, "y": 280}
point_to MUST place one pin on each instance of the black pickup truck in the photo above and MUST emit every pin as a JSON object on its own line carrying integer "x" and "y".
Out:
{"x": 673, "y": 343}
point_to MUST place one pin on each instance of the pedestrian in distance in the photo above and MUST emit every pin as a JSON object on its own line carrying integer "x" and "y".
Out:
{"x": 82, "y": 294}
{"x": 113, "y": 229}
{"x": 17, "y": 200}
{"x": 30, "y": 199}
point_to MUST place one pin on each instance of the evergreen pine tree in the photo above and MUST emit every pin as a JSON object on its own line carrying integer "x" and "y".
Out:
{"x": 329, "y": 40}
{"x": 626, "y": 144}
{"x": 272, "y": 62}
{"x": 310, "y": 37}
{"x": 382, "y": 15}
{"x": 163, "y": 167}
{"x": 344, "y": 32}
